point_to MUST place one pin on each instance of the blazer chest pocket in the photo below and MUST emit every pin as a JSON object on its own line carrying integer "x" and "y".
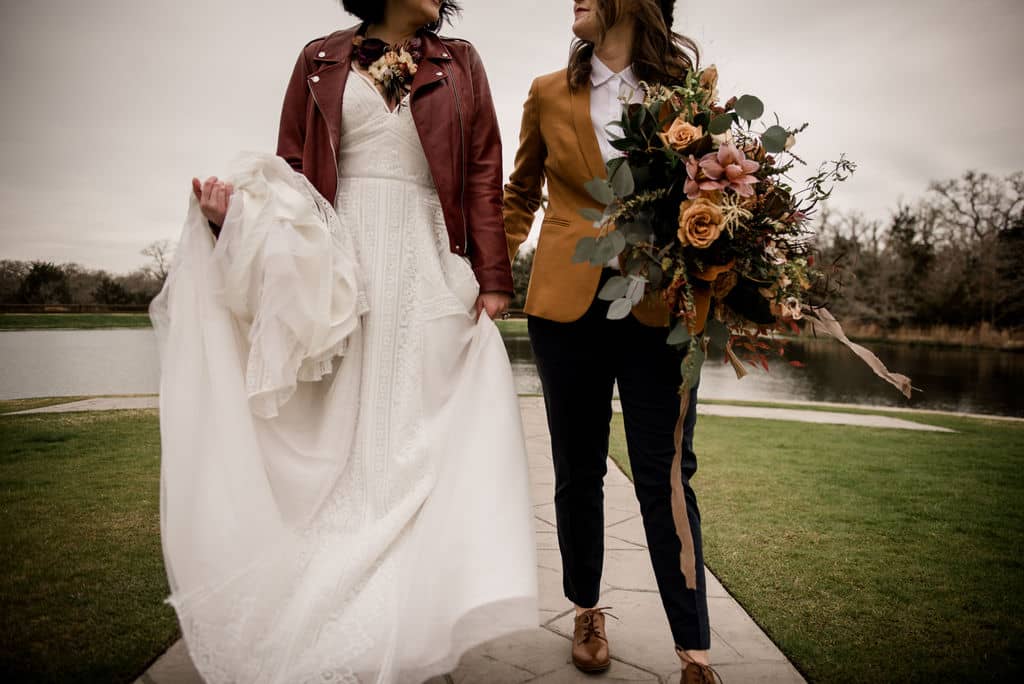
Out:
{"x": 555, "y": 221}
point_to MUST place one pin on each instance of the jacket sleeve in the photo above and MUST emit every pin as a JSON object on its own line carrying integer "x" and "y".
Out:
{"x": 291, "y": 136}
{"x": 523, "y": 192}
{"x": 485, "y": 229}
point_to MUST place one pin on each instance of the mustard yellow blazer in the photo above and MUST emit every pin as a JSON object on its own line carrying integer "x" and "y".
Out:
{"x": 557, "y": 144}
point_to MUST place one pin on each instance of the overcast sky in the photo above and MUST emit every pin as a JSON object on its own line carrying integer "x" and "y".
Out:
{"x": 109, "y": 107}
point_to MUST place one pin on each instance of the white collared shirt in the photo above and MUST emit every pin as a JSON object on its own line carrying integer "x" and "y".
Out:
{"x": 607, "y": 92}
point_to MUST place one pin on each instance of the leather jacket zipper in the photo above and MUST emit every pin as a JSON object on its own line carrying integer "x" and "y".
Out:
{"x": 334, "y": 150}
{"x": 462, "y": 147}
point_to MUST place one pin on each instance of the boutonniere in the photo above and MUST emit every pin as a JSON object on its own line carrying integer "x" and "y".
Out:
{"x": 391, "y": 67}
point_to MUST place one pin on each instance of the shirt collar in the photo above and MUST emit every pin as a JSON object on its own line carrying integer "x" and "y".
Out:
{"x": 601, "y": 74}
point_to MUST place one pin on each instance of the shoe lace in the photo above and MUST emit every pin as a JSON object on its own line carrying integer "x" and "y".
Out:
{"x": 589, "y": 626}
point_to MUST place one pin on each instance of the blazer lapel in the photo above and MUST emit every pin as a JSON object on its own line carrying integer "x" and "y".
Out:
{"x": 589, "y": 148}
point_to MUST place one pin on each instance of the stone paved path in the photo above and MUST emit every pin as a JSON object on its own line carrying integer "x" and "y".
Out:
{"x": 641, "y": 644}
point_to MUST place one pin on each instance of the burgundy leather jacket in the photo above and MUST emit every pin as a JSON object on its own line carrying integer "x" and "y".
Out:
{"x": 454, "y": 114}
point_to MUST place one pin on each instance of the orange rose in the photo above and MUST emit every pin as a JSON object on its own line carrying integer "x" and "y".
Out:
{"x": 700, "y": 222}
{"x": 681, "y": 135}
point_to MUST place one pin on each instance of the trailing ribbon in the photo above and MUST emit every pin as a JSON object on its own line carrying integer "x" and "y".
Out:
{"x": 687, "y": 557}
{"x": 822, "y": 321}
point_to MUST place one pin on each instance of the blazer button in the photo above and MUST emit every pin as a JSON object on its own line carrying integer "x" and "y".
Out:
{"x": 440, "y": 74}
{"x": 321, "y": 54}
{"x": 315, "y": 79}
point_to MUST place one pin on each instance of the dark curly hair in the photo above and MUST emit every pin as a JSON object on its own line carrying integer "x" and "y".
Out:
{"x": 372, "y": 12}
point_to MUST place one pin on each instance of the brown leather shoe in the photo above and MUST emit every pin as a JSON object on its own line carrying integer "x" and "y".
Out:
{"x": 590, "y": 642}
{"x": 694, "y": 673}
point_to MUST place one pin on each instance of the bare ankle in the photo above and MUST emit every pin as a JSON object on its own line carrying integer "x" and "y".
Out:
{"x": 697, "y": 657}
{"x": 581, "y": 611}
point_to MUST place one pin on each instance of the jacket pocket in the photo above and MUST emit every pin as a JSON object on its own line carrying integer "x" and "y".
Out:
{"x": 555, "y": 221}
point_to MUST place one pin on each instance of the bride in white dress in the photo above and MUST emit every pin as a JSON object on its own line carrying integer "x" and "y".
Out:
{"x": 344, "y": 490}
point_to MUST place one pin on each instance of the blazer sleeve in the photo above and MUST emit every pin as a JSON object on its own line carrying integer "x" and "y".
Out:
{"x": 485, "y": 229}
{"x": 291, "y": 136}
{"x": 524, "y": 190}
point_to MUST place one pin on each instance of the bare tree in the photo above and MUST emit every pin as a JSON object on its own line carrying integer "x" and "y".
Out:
{"x": 160, "y": 252}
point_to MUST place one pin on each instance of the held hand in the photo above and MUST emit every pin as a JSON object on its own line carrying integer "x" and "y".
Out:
{"x": 214, "y": 197}
{"x": 494, "y": 303}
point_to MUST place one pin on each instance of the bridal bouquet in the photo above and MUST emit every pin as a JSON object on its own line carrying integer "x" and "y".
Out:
{"x": 700, "y": 211}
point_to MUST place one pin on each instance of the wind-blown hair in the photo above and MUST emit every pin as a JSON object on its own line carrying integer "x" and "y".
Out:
{"x": 659, "y": 54}
{"x": 372, "y": 12}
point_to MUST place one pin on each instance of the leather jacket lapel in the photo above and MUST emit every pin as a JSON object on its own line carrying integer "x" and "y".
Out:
{"x": 331, "y": 65}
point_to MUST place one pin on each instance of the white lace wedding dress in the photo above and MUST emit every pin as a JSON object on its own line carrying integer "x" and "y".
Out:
{"x": 344, "y": 490}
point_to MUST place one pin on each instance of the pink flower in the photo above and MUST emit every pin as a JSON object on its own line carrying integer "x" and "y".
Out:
{"x": 729, "y": 168}
{"x": 696, "y": 182}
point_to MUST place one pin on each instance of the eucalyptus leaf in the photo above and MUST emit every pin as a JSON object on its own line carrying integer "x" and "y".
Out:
{"x": 635, "y": 264}
{"x": 717, "y": 332}
{"x": 774, "y": 139}
{"x": 618, "y": 241}
{"x": 655, "y": 275}
{"x": 635, "y": 289}
{"x": 749, "y": 107}
{"x": 636, "y": 233}
{"x": 615, "y": 288}
{"x": 679, "y": 335}
{"x": 600, "y": 190}
{"x": 619, "y": 309}
{"x": 606, "y": 249}
{"x": 613, "y": 165}
{"x": 592, "y": 214}
{"x": 585, "y": 249}
{"x": 720, "y": 124}
{"x": 622, "y": 181}
{"x": 692, "y": 365}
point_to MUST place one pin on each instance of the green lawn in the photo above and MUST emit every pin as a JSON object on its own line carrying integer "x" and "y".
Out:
{"x": 870, "y": 554}
{"x": 83, "y": 590}
{"x": 10, "y": 321}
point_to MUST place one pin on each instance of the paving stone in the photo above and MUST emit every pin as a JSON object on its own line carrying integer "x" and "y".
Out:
{"x": 549, "y": 558}
{"x": 546, "y": 540}
{"x": 733, "y": 624}
{"x": 173, "y": 667}
{"x": 543, "y": 475}
{"x": 760, "y": 673}
{"x": 631, "y": 530}
{"x": 628, "y": 569}
{"x": 618, "y": 672}
{"x": 477, "y": 668}
{"x": 550, "y": 595}
{"x": 537, "y": 651}
{"x": 714, "y": 587}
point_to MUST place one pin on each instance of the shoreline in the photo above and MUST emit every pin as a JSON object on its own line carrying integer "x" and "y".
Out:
{"x": 978, "y": 338}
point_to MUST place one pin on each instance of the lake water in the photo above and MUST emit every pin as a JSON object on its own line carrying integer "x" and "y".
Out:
{"x": 78, "y": 362}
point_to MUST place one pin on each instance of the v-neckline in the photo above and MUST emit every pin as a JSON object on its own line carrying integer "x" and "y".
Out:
{"x": 369, "y": 84}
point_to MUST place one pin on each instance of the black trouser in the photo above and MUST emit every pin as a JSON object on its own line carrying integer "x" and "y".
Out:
{"x": 578, "y": 364}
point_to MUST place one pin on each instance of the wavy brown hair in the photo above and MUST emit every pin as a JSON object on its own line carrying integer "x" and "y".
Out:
{"x": 372, "y": 12}
{"x": 659, "y": 54}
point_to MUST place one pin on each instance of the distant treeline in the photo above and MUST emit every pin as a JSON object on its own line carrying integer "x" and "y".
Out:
{"x": 42, "y": 283}
{"x": 954, "y": 258}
